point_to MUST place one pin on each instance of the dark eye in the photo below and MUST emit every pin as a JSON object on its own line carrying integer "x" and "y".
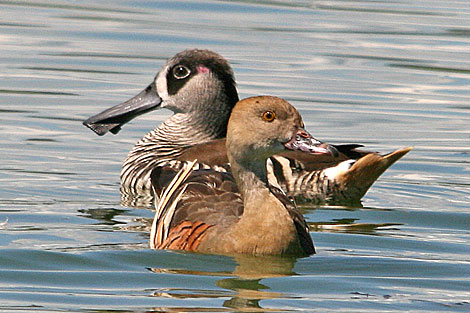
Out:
{"x": 181, "y": 72}
{"x": 269, "y": 116}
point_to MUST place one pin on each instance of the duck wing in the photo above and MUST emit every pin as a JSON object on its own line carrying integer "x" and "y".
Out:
{"x": 190, "y": 203}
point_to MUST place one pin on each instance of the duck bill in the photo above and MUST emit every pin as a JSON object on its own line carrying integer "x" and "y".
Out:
{"x": 303, "y": 141}
{"x": 113, "y": 118}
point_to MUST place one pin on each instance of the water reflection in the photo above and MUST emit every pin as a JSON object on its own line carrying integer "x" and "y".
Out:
{"x": 246, "y": 287}
{"x": 131, "y": 199}
{"x": 348, "y": 225}
{"x": 250, "y": 271}
{"x": 105, "y": 216}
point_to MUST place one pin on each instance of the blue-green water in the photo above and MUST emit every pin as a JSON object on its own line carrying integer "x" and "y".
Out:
{"x": 387, "y": 75}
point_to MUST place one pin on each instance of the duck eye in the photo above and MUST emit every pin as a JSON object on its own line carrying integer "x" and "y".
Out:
{"x": 181, "y": 72}
{"x": 269, "y": 116}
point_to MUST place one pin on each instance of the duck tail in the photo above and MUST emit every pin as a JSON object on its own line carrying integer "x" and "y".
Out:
{"x": 357, "y": 180}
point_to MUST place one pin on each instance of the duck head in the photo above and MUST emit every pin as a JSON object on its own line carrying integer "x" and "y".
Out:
{"x": 262, "y": 126}
{"x": 195, "y": 82}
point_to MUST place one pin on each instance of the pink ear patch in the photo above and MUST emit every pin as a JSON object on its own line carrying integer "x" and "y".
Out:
{"x": 202, "y": 69}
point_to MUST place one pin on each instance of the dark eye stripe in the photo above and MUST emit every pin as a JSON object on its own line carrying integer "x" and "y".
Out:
{"x": 177, "y": 77}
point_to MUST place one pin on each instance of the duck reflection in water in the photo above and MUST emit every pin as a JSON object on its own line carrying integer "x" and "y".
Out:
{"x": 245, "y": 289}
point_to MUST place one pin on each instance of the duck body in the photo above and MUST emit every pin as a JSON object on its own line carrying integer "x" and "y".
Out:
{"x": 238, "y": 212}
{"x": 208, "y": 217}
{"x": 199, "y": 87}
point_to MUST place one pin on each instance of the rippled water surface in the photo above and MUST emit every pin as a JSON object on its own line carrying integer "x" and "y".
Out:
{"x": 384, "y": 74}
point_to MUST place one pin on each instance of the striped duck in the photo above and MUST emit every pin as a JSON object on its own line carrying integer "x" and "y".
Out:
{"x": 199, "y": 87}
{"x": 239, "y": 212}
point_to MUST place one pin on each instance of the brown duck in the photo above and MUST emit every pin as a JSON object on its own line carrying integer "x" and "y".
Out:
{"x": 199, "y": 87}
{"x": 215, "y": 212}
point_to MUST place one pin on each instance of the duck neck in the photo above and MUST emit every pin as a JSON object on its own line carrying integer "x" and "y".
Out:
{"x": 180, "y": 131}
{"x": 251, "y": 178}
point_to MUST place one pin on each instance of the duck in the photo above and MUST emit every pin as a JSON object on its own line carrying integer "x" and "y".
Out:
{"x": 199, "y": 87}
{"x": 237, "y": 212}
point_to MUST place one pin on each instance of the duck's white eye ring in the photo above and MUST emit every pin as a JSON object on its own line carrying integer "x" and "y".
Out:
{"x": 269, "y": 116}
{"x": 181, "y": 71}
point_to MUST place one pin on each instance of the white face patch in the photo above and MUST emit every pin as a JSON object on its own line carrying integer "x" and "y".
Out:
{"x": 162, "y": 86}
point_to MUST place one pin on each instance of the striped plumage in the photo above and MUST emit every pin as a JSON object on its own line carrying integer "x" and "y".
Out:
{"x": 160, "y": 147}
{"x": 199, "y": 87}
{"x": 344, "y": 183}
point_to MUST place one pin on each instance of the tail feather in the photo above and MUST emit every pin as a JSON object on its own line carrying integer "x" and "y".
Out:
{"x": 365, "y": 171}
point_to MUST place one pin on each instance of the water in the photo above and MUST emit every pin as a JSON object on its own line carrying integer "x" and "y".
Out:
{"x": 387, "y": 75}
